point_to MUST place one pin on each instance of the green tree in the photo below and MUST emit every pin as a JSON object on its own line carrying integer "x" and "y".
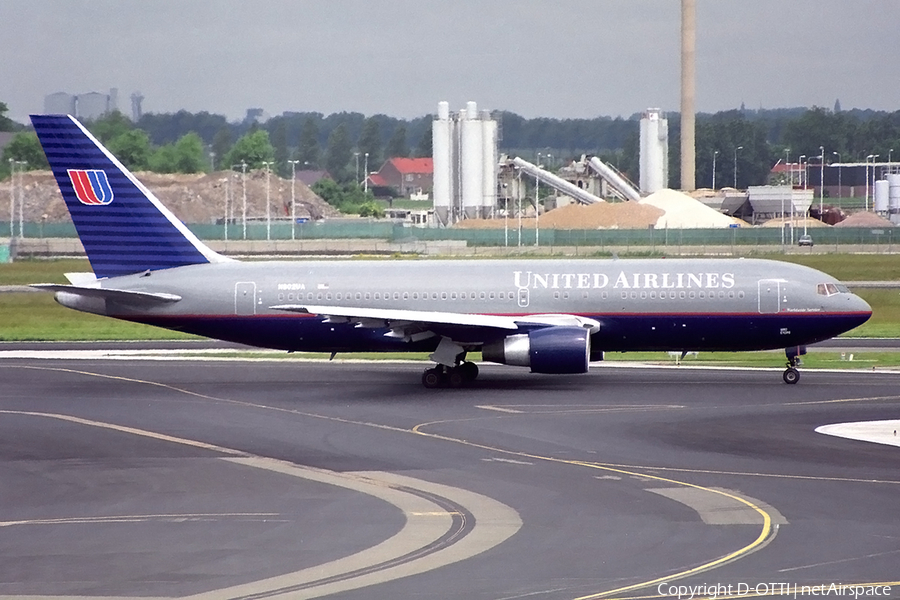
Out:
{"x": 25, "y": 147}
{"x": 425, "y": 147}
{"x": 308, "y": 153}
{"x": 110, "y": 126}
{"x": 132, "y": 148}
{"x": 339, "y": 153}
{"x": 254, "y": 148}
{"x": 370, "y": 142}
{"x": 347, "y": 197}
{"x": 190, "y": 155}
{"x": 221, "y": 146}
{"x": 397, "y": 145}
{"x": 164, "y": 159}
{"x": 279, "y": 143}
{"x": 6, "y": 124}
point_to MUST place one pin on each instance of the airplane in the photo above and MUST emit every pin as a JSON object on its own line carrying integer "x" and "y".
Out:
{"x": 552, "y": 316}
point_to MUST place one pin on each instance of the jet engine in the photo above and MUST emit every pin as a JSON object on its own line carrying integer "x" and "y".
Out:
{"x": 556, "y": 350}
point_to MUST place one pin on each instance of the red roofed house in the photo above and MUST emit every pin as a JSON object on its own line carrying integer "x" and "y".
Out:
{"x": 405, "y": 176}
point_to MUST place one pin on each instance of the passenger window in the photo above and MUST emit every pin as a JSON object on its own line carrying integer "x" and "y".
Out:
{"x": 358, "y": 295}
{"x": 368, "y": 295}
{"x": 604, "y": 295}
{"x": 492, "y": 295}
{"x": 453, "y": 295}
{"x": 377, "y": 296}
{"x": 681, "y": 295}
{"x": 337, "y": 296}
{"x": 731, "y": 295}
{"x": 406, "y": 295}
{"x": 556, "y": 295}
{"x": 281, "y": 296}
{"x": 443, "y": 295}
{"x": 482, "y": 295}
{"x": 396, "y": 295}
{"x": 643, "y": 295}
{"x": 309, "y": 296}
{"x": 691, "y": 295}
{"x": 328, "y": 295}
{"x": 319, "y": 296}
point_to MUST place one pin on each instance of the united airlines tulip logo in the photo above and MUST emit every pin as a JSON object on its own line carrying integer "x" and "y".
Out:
{"x": 91, "y": 186}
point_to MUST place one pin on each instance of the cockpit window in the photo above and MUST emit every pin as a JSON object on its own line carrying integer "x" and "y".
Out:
{"x": 830, "y": 289}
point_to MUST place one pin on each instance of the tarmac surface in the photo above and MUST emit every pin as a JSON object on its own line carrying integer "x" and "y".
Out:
{"x": 288, "y": 479}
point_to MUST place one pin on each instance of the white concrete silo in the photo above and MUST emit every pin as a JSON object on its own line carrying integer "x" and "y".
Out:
{"x": 489, "y": 165}
{"x": 882, "y": 191}
{"x": 654, "y": 155}
{"x": 442, "y": 154}
{"x": 472, "y": 163}
{"x": 894, "y": 193}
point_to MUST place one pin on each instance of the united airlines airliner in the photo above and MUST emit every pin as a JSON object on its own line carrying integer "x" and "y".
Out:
{"x": 551, "y": 316}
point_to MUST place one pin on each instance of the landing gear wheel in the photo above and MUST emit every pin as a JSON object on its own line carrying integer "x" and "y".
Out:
{"x": 432, "y": 378}
{"x": 469, "y": 370}
{"x": 791, "y": 375}
{"x": 456, "y": 378}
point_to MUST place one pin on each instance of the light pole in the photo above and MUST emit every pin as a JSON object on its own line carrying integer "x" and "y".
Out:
{"x": 12, "y": 197}
{"x": 366, "y": 181}
{"x": 735, "y": 164}
{"x": 356, "y": 158}
{"x": 840, "y": 188}
{"x": 715, "y": 154}
{"x": 225, "y": 187}
{"x": 537, "y": 212}
{"x": 293, "y": 198}
{"x": 22, "y": 167}
{"x": 244, "y": 191}
{"x": 868, "y": 158}
{"x": 802, "y": 170}
{"x": 821, "y": 180}
{"x": 787, "y": 167}
{"x": 268, "y": 164}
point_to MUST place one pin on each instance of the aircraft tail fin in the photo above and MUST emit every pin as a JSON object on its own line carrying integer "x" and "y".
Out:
{"x": 124, "y": 228}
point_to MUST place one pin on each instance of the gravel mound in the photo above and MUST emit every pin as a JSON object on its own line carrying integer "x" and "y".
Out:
{"x": 865, "y": 219}
{"x": 194, "y": 198}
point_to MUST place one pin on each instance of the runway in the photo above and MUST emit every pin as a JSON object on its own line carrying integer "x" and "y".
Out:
{"x": 287, "y": 479}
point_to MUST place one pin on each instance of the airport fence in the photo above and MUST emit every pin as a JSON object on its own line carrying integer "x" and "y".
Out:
{"x": 767, "y": 239}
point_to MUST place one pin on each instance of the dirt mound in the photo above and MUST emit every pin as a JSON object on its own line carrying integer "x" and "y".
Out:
{"x": 864, "y": 219}
{"x": 195, "y": 198}
{"x": 798, "y": 223}
{"x": 603, "y": 215}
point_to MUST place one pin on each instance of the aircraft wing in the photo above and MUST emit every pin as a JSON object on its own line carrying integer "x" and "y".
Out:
{"x": 417, "y": 324}
{"x": 123, "y": 296}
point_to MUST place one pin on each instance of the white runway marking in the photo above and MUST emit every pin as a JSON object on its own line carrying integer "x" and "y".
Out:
{"x": 878, "y": 432}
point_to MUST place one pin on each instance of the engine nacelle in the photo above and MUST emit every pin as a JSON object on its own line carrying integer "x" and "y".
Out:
{"x": 556, "y": 350}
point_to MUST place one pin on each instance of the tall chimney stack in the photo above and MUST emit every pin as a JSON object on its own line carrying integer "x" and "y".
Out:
{"x": 688, "y": 89}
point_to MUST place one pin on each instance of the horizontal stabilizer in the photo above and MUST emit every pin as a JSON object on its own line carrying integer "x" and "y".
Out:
{"x": 122, "y": 296}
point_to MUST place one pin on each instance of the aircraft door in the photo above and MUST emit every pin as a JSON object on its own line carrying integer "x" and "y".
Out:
{"x": 245, "y": 298}
{"x": 769, "y": 296}
{"x": 523, "y": 297}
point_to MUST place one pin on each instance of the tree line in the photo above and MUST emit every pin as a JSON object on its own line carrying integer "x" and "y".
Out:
{"x": 742, "y": 142}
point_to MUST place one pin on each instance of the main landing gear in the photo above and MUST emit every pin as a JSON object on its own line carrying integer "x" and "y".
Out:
{"x": 454, "y": 377}
{"x": 791, "y": 375}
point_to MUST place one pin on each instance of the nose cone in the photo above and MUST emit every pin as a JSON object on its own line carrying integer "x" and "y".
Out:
{"x": 858, "y": 308}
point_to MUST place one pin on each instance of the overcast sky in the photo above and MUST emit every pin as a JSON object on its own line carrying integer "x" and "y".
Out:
{"x": 578, "y": 58}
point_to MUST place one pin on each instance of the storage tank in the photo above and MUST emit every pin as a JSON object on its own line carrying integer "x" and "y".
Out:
{"x": 472, "y": 162}
{"x": 489, "y": 165}
{"x": 441, "y": 129}
{"x": 894, "y": 192}
{"x": 882, "y": 188}
{"x": 654, "y": 155}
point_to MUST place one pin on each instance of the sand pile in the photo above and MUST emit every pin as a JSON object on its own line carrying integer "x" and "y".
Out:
{"x": 797, "y": 222}
{"x": 195, "y": 198}
{"x": 603, "y": 215}
{"x": 864, "y": 219}
{"x": 684, "y": 212}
